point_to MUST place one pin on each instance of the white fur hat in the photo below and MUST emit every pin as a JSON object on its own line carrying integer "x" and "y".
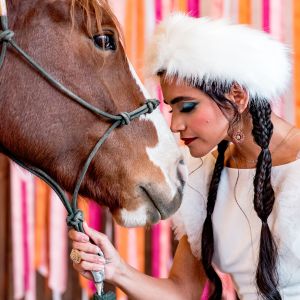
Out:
{"x": 204, "y": 50}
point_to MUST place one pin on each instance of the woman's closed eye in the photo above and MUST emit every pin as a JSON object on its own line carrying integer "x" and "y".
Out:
{"x": 186, "y": 107}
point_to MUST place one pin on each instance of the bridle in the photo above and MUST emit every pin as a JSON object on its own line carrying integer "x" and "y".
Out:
{"x": 75, "y": 216}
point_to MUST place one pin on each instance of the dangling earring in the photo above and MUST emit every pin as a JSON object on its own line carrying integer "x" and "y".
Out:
{"x": 238, "y": 136}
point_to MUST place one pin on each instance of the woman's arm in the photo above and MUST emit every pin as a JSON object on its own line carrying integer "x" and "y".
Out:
{"x": 186, "y": 279}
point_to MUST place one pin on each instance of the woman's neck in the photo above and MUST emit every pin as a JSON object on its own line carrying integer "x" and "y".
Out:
{"x": 245, "y": 153}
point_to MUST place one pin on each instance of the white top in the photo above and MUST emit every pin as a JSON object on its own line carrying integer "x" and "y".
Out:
{"x": 237, "y": 227}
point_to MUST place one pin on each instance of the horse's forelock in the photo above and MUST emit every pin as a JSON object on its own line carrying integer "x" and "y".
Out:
{"x": 94, "y": 9}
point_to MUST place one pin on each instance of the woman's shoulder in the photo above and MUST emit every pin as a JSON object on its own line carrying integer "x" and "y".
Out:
{"x": 294, "y": 143}
{"x": 288, "y": 149}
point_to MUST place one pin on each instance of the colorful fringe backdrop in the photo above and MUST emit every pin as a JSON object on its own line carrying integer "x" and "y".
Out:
{"x": 36, "y": 247}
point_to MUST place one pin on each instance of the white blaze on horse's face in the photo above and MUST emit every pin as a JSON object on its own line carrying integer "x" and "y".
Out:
{"x": 167, "y": 156}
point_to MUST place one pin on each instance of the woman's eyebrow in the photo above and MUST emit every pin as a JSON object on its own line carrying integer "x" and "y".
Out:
{"x": 178, "y": 99}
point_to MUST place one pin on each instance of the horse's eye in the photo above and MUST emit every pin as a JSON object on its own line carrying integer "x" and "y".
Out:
{"x": 105, "y": 41}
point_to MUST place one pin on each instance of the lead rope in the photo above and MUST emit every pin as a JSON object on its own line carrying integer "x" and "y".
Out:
{"x": 75, "y": 216}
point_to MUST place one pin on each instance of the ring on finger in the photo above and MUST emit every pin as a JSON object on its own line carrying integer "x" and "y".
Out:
{"x": 75, "y": 256}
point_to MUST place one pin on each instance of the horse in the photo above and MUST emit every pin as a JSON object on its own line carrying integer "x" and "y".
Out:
{"x": 138, "y": 173}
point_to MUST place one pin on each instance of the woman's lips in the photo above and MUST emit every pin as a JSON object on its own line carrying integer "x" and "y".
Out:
{"x": 188, "y": 140}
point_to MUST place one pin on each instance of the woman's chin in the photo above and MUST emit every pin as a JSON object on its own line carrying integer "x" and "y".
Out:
{"x": 197, "y": 152}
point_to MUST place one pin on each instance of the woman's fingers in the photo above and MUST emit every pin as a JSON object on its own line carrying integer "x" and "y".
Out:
{"x": 92, "y": 258}
{"x": 99, "y": 238}
{"x": 86, "y": 247}
{"x": 85, "y": 268}
{"x": 88, "y": 266}
{"x": 87, "y": 252}
{"x": 78, "y": 236}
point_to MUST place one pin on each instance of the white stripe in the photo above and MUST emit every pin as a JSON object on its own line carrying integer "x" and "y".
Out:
{"x": 149, "y": 19}
{"x": 256, "y": 13}
{"x": 3, "y": 9}
{"x": 226, "y": 10}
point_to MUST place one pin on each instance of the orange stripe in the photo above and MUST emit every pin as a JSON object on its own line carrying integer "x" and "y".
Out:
{"x": 121, "y": 243}
{"x": 41, "y": 208}
{"x": 83, "y": 205}
{"x": 244, "y": 11}
{"x": 296, "y": 6}
{"x": 180, "y": 5}
{"x": 140, "y": 37}
{"x": 129, "y": 29}
{"x": 141, "y": 248}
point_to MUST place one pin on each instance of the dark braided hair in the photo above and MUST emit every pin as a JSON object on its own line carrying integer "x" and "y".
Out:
{"x": 266, "y": 274}
{"x": 216, "y": 92}
{"x": 207, "y": 242}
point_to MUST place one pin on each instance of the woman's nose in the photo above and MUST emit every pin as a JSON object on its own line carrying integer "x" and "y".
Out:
{"x": 177, "y": 124}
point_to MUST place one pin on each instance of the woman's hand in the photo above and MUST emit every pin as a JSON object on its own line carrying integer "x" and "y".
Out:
{"x": 90, "y": 260}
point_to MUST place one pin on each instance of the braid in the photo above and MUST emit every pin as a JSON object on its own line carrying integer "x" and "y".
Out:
{"x": 266, "y": 274}
{"x": 207, "y": 233}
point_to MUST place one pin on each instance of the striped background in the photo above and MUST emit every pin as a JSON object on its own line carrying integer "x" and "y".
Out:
{"x": 34, "y": 257}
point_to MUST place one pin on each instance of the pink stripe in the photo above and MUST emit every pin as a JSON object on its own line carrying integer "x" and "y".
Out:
{"x": 132, "y": 252}
{"x": 158, "y": 10}
{"x": 199, "y": 8}
{"x": 193, "y": 8}
{"x": 155, "y": 232}
{"x": 95, "y": 221}
{"x": 266, "y": 15}
{"x": 25, "y": 235}
{"x": 216, "y": 9}
{"x": 95, "y": 215}
{"x": 205, "y": 293}
{"x": 172, "y": 5}
{"x": 165, "y": 249}
{"x": 58, "y": 246}
{"x": 277, "y": 30}
{"x": 31, "y": 291}
{"x": 17, "y": 235}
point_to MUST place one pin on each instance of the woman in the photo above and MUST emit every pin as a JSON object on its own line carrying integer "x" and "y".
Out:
{"x": 242, "y": 202}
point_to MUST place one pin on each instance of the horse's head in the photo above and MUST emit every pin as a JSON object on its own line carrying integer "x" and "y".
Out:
{"x": 138, "y": 171}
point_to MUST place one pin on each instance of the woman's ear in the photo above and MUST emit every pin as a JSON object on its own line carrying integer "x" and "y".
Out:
{"x": 239, "y": 96}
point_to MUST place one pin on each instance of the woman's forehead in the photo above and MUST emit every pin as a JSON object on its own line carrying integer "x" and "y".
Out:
{"x": 173, "y": 89}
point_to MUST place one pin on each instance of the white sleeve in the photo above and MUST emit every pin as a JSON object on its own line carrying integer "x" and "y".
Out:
{"x": 287, "y": 216}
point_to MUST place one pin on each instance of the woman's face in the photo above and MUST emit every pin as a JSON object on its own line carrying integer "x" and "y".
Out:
{"x": 195, "y": 116}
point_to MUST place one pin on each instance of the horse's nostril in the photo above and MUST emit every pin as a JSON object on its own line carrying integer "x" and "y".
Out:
{"x": 181, "y": 162}
{"x": 182, "y": 172}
